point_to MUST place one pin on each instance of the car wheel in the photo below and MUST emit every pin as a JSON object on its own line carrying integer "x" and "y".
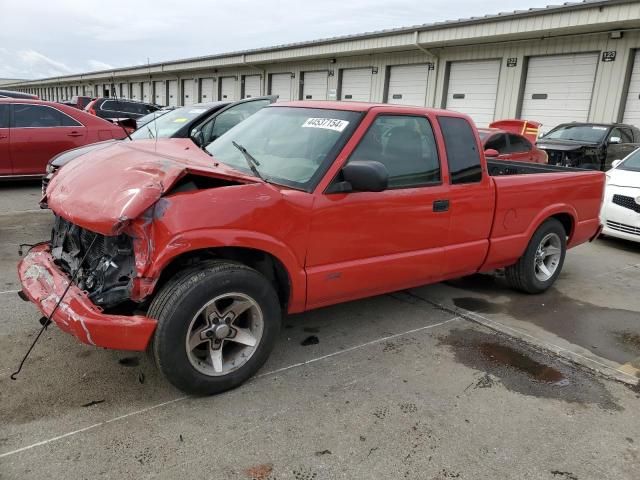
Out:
{"x": 216, "y": 327}
{"x": 542, "y": 261}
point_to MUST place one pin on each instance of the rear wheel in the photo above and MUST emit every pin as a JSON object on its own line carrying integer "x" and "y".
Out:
{"x": 216, "y": 327}
{"x": 542, "y": 261}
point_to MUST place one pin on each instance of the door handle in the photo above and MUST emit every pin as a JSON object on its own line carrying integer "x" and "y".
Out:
{"x": 440, "y": 205}
{"x": 3, "y": 136}
{"x": 74, "y": 134}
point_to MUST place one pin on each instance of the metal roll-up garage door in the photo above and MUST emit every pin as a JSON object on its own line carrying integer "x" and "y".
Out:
{"x": 559, "y": 88}
{"x": 408, "y": 85}
{"x": 207, "y": 90}
{"x": 473, "y": 89}
{"x": 160, "y": 92}
{"x": 227, "y": 88}
{"x": 314, "y": 85}
{"x": 281, "y": 86}
{"x": 188, "y": 92}
{"x": 135, "y": 91}
{"x": 251, "y": 86}
{"x": 356, "y": 84}
{"x": 146, "y": 92}
{"x": 124, "y": 90}
{"x": 172, "y": 89}
{"x": 632, "y": 105}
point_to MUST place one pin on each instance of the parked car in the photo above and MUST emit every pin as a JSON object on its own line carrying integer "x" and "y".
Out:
{"x": 34, "y": 131}
{"x": 512, "y": 140}
{"x": 116, "y": 108}
{"x": 183, "y": 122}
{"x": 620, "y": 214}
{"x": 592, "y": 146}
{"x": 202, "y": 122}
{"x": 196, "y": 253}
{"x": 12, "y": 94}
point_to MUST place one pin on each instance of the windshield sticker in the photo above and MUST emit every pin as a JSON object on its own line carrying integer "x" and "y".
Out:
{"x": 326, "y": 123}
{"x": 198, "y": 110}
{"x": 599, "y": 128}
{"x": 180, "y": 120}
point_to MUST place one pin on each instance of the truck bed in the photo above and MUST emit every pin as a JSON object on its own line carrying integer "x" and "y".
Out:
{"x": 523, "y": 201}
{"x": 501, "y": 167}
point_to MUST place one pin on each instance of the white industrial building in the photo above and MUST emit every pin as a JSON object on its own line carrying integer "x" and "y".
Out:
{"x": 572, "y": 62}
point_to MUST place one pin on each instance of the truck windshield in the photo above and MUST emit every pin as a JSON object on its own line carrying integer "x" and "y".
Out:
{"x": 632, "y": 163}
{"x": 293, "y": 146}
{"x": 578, "y": 133}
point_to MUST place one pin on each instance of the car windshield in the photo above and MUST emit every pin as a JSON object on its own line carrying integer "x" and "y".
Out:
{"x": 166, "y": 125}
{"x": 578, "y": 133}
{"x": 150, "y": 117}
{"x": 293, "y": 146}
{"x": 632, "y": 162}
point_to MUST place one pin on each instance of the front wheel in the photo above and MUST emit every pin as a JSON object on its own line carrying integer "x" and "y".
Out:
{"x": 542, "y": 261}
{"x": 216, "y": 327}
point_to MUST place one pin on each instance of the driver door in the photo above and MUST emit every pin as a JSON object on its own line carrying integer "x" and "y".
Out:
{"x": 367, "y": 243}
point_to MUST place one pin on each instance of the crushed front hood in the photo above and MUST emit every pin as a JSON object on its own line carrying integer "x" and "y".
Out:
{"x": 114, "y": 185}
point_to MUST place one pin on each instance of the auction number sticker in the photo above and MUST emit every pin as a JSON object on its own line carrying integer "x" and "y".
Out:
{"x": 180, "y": 120}
{"x": 326, "y": 123}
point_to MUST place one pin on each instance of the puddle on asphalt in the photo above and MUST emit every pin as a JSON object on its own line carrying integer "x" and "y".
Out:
{"x": 608, "y": 332}
{"x": 509, "y": 357}
{"x": 524, "y": 371}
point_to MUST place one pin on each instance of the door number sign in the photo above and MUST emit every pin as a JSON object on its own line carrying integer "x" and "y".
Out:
{"x": 609, "y": 56}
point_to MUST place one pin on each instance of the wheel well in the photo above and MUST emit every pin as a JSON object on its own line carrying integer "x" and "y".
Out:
{"x": 263, "y": 262}
{"x": 567, "y": 222}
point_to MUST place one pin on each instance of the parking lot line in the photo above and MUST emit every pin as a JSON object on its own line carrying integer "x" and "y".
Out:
{"x": 179, "y": 399}
{"x": 7, "y": 292}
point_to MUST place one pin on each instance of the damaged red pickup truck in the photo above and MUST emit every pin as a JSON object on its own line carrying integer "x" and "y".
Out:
{"x": 195, "y": 253}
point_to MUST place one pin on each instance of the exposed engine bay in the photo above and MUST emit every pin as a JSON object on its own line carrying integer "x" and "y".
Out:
{"x": 584, "y": 157}
{"x": 109, "y": 268}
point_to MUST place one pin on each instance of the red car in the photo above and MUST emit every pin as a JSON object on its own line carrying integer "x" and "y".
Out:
{"x": 196, "y": 253}
{"x": 513, "y": 140}
{"x": 34, "y": 131}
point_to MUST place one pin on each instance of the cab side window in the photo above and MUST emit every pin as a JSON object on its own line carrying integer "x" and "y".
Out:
{"x": 462, "y": 150}
{"x": 40, "y": 116}
{"x": 406, "y": 146}
{"x": 624, "y": 134}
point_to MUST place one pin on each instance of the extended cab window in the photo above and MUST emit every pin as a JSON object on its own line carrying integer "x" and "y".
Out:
{"x": 40, "y": 116}
{"x": 406, "y": 146}
{"x": 462, "y": 150}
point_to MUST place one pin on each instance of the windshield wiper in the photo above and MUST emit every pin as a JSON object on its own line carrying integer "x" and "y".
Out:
{"x": 251, "y": 161}
{"x": 150, "y": 132}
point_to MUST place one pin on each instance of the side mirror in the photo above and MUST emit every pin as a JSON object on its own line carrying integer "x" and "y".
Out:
{"x": 615, "y": 140}
{"x": 365, "y": 176}
{"x": 198, "y": 138}
{"x": 491, "y": 153}
{"x": 615, "y": 163}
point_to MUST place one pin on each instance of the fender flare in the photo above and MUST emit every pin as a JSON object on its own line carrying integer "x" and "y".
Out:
{"x": 203, "y": 239}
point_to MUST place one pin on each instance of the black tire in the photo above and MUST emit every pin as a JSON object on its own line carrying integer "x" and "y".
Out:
{"x": 522, "y": 275}
{"x": 180, "y": 300}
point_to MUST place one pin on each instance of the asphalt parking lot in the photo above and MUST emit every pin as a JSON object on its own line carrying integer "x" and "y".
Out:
{"x": 459, "y": 380}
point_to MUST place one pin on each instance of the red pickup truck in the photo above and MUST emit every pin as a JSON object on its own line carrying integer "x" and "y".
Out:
{"x": 196, "y": 253}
